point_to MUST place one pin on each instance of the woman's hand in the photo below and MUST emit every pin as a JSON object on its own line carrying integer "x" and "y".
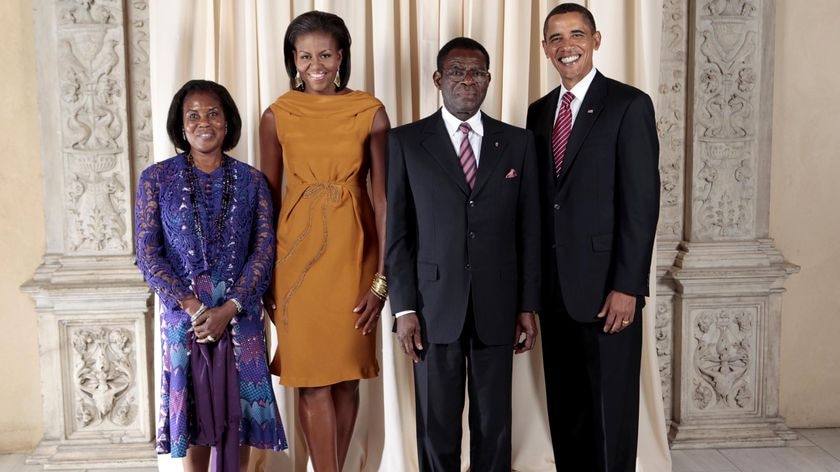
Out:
{"x": 368, "y": 309}
{"x": 211, "y": 324}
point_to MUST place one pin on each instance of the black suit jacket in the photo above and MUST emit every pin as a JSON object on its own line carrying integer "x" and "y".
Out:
{"x": 600, "y": 215}
{"x": 446, "y": 243}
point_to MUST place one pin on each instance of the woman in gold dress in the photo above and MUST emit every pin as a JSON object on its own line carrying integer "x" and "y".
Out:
{"x": 328, "y": 288}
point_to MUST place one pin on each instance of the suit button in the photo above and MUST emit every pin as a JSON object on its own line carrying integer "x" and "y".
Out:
{"x": 556, "y": 206}
{"x": 468, "y": 267}
{"x": 472, "y": 235}
{"x": 553, "y": 246}
{"x": 472, "y": 203}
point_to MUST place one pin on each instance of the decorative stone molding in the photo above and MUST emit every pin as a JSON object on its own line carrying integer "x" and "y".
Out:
{"x": 663, "y": 332}
{"x": 671, "y": 119}
{"x": 726, "y": 112}
{"x": 140, "y": 105}
{"x": 91, "y": 77}
{"x": 93, "y": 306}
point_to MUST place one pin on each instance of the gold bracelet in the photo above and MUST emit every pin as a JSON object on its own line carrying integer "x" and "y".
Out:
{"x": 379, "y": 286}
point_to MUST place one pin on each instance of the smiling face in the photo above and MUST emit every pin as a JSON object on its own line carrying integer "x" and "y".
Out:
{"x": 317, "y": 59}
{"x": 463, "y": 81}
{"x": 570, "y": 44}
{"x": 204, "y": 122}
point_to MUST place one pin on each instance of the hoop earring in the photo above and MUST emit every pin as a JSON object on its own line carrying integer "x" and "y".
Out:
{"x": 337, "y": 80}
{"x": 298, "y": 81}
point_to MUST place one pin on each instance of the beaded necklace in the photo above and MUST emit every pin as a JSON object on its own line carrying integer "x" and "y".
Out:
{"x": 227, "y": 195}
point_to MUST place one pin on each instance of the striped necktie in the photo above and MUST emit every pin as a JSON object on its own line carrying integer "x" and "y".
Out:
{"x": 466, "y": 155}
{"x": 561, "y": 132}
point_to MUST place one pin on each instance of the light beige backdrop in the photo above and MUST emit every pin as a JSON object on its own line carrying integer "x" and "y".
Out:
{"x": 395, "y": 43}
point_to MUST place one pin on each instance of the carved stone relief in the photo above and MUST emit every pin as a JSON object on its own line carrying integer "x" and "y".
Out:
{"x": 671, "y": 118}
{"x": 140, "y": 104}
{"x": 724, "y": 358}
{"x": 663, "y": 328}
{"x": 726, "y": 119}
{"x": 93, "y": 133}
{"x": 103, "y": 377}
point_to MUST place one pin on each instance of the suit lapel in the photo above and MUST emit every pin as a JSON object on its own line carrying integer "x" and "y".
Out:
{"x": 438, "y": 143}
{"x": 549, "y": 112}
{"x": 492, "y": 146}
{"x": 588, "y": 113}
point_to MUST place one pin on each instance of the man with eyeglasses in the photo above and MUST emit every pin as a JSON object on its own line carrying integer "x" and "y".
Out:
{"x": 463, "y": 262}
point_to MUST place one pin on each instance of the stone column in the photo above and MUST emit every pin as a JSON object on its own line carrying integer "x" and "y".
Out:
{"x": 727, "y": 278}
{"x": 94, "y": 325}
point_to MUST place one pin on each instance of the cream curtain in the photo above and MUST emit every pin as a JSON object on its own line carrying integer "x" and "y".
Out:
{"x": 239, "y": 43}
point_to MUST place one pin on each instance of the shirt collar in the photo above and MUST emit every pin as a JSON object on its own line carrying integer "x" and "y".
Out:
{"x": 452, "y": 122}
{"x": 580, "y": 89}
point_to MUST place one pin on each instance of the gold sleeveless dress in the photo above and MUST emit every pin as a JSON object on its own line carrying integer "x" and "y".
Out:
{"x": 327, "y": 250}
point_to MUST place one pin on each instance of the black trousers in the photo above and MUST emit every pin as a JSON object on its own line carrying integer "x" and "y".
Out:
{"x": 592, "y": 390}
{"x": 439, "y": 382}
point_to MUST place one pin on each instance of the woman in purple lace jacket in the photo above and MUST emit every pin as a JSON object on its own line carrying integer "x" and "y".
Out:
{"x": 205, "y": 244}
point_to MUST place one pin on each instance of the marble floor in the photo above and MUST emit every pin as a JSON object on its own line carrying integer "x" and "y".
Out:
{"x": 816, "y": 450}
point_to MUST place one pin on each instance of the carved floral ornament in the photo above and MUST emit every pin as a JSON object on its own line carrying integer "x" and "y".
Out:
{"x": 662, "y": 332}
{"x": 726, "y": 105}
{"x": 103, "y": 376}
{"x": 93, "y": 128}
{"x": 723, "y": 359}
{"x": 729, "y": 8}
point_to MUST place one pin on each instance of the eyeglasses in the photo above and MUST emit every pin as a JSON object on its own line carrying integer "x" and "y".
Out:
{"x": 457, "y": 74}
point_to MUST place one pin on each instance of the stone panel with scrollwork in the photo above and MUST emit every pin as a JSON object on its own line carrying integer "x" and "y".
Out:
{"x": 91, "y": 75}
{"x": 104, "y": 396}
{"x": 724, "y": 374}
{"x": 726, "y": 104}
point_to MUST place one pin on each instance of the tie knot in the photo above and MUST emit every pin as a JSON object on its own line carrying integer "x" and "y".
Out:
{"x": 567, "y": 98}
{"x": 464, "y": 128}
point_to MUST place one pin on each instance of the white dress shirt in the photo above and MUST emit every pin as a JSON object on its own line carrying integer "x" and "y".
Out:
{"x": 452, "y": 123}
{"x": 579, "y": 91}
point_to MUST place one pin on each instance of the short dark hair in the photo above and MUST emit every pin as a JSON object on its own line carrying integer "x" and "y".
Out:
{"x": 314, "y": 21}
{"x": 460, "y": 43}
{"x": 175, "y": 119}
{"x": 570, "y": 8}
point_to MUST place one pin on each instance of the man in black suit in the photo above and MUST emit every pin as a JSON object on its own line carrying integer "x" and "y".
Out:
{"x": 463, "y": 262}
{"x": 598, "y": 156}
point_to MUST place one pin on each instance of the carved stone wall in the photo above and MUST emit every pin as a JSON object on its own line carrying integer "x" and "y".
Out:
{"x": 93, "y": 306}
{"x": 671, "y": 125}
{"x": 721, "y": 285}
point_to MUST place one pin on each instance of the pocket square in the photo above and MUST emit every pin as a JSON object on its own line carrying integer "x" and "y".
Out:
{"x": 511, "y": 174}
